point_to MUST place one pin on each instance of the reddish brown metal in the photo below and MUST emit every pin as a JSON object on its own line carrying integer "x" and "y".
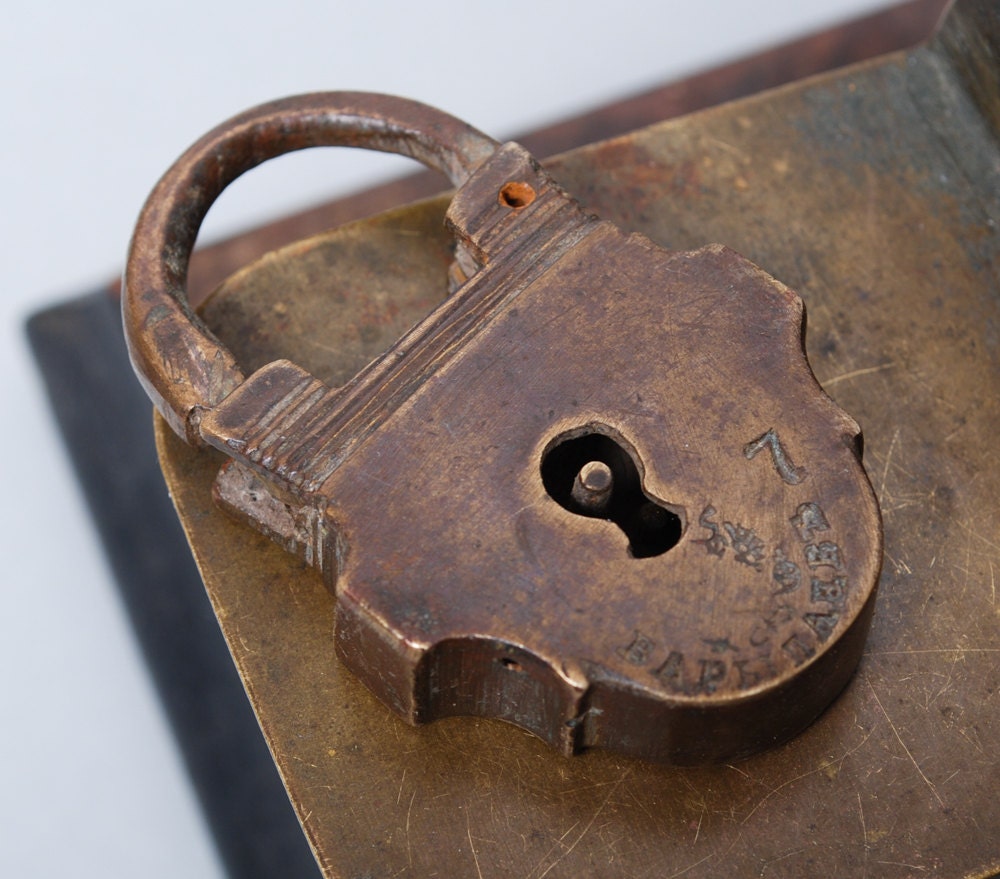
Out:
{"x": 714, "y": 602}
{"x": 181, "y": 364}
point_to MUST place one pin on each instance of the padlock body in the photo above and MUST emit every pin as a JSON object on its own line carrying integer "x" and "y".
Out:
{"x": 712, "y": 604}
{"x": 465, "y": 587}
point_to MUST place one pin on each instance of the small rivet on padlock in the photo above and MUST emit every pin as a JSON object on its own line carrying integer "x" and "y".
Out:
{"x": 516, "y": 194}
{"x": 593, "y": 485}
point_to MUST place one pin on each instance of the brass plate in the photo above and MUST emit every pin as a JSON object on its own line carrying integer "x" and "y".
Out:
{"x": 875, "y": 193}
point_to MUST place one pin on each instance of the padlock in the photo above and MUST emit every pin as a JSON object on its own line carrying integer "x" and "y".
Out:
{"x": 597, "y": 492}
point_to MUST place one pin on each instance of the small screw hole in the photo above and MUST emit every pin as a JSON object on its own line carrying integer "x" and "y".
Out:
{"x": 511, "y": 664}
{"x": 516, "y": 195}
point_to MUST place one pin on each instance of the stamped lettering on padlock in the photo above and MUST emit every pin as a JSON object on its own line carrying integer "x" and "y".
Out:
{"x": 597, "y": 492}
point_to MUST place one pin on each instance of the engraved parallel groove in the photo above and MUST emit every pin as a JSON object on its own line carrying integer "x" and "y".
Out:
{"x": 277, "y": 409}
{"x": 304, "y": 430}
{"x": 496, "y": 221}
{"x": 231, "y": 422}
{"x": 364, "y": 403}
{"x": 280, "y": 419}
{"x": 526, "y": 224}
{"x": 315, "y": 452}
{"x": 451, "y": 312}
{"x": 293, "y": 446}
{"x": 284, "y": 420}
{"x": 368, "y": 407}
{"x": 287, "y": 436}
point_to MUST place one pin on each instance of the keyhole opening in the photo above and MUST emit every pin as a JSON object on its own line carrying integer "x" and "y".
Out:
{"x": 592, "y": 474}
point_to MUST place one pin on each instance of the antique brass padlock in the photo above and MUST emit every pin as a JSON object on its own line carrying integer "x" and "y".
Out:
{"x": 597, "y": 492}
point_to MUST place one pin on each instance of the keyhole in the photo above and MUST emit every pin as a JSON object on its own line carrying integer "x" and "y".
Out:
{"x": 592, "y": 474}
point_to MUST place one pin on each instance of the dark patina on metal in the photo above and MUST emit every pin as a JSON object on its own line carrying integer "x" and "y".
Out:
{"x": 596, "y": 492}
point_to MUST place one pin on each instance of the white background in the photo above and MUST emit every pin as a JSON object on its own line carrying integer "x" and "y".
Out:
{"x": 99, "y": 98}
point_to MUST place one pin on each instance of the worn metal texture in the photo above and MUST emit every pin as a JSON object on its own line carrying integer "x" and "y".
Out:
{"x": 875, "y": 193}
{"x": 719, "y": 604}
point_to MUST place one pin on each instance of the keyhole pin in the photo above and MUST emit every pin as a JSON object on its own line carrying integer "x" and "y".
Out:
{"x": 595, "y": 475}
{"x": 593, "y": 486}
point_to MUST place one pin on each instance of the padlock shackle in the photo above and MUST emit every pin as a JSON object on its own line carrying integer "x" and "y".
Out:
{"x": 182, "y": 365}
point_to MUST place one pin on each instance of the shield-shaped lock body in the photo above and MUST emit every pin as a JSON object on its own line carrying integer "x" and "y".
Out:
{"x": 597, "y": 492}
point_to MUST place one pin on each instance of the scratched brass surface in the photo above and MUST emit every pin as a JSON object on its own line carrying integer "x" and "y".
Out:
{"x": 875, "y": 193}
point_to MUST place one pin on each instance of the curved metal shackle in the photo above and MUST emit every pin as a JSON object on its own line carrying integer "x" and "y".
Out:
{"x": 182, "y": 365}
